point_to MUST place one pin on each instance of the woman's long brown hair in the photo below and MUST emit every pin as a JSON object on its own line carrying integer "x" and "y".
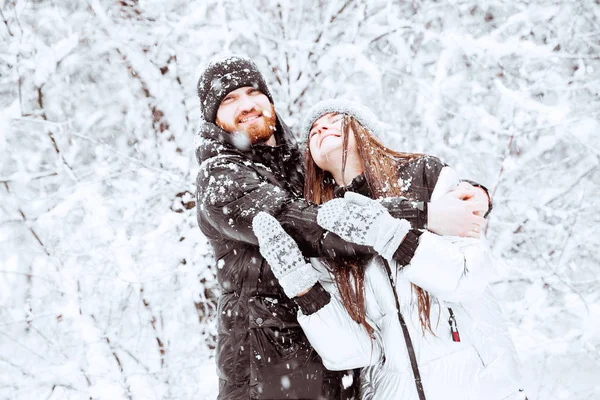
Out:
{"x": 380, "y": 167}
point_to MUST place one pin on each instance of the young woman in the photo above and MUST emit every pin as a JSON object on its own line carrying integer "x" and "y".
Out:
{"x": 424, "y": 327}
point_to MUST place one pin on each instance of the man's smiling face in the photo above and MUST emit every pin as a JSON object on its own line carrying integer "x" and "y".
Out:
{"x": 247, "y": 110}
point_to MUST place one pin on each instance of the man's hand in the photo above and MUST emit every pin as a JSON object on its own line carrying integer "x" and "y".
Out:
{"x": 295, "y": 276}
{"x": 458, "y": 212}
{"x": 475, "y": 195}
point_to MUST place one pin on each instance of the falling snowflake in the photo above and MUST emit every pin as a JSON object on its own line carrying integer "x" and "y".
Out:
{"x": 347, "y": 380}
{"x": 241, "y": 140}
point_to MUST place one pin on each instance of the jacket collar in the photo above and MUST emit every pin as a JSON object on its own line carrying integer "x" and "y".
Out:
{"x": 358, "y": 185}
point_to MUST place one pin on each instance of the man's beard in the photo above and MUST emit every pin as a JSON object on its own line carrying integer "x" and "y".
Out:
{"x": 258, "y": 132}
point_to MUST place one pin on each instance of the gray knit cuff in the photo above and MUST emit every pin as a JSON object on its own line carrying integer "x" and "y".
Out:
{"x": 298, "y": 280}
{"x": 392, "y": 236}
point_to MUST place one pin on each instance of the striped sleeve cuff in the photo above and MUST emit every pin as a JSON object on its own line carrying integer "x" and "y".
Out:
{"x": 407, "y": 248}
{"x": 315, "y": 299}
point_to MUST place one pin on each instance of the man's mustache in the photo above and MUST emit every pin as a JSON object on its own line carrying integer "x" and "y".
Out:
{"x": 249, "y": 112}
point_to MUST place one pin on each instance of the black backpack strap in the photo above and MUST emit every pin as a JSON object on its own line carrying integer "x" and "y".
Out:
{"x": 407, "y": 340}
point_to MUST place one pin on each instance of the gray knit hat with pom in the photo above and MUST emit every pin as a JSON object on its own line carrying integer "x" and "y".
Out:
{"x": 223, "y": 76}
{"x": 340, "y": 106}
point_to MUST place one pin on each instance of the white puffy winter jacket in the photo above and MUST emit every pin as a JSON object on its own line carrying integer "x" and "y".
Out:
{"x": 455, "y": 272}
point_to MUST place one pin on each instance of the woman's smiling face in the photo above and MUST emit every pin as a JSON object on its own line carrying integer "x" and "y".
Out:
{"x": 325, "y": 142}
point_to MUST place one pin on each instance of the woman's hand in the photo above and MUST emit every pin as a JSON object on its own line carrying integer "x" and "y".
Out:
{"x": 476, "y": 196}
{"x": 457, "y": 213}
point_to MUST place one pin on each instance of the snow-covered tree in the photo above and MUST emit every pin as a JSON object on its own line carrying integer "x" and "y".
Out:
{"x": 106, "y": 284}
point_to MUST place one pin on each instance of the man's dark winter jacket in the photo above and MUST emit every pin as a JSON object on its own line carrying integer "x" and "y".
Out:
{"x": 262, "y": 353}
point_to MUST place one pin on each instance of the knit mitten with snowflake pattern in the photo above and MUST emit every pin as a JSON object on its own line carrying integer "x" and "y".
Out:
{"x": 361, "y": 220}
{"x": 283, "y": 255}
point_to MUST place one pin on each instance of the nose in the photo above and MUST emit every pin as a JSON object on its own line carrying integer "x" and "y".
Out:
{"x": 322, "y": 128}
{"x": 245, "y": 103}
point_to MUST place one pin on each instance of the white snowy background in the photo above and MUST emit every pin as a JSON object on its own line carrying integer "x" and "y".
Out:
{"x": 107, "y": 286}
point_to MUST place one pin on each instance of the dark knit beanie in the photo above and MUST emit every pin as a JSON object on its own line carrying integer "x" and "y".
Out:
{"x": 224, "y": 76}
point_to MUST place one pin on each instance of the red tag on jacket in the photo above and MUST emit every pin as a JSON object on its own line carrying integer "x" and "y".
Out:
{"x": 453, "y": 326}
{"x": 455, "y": 336}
